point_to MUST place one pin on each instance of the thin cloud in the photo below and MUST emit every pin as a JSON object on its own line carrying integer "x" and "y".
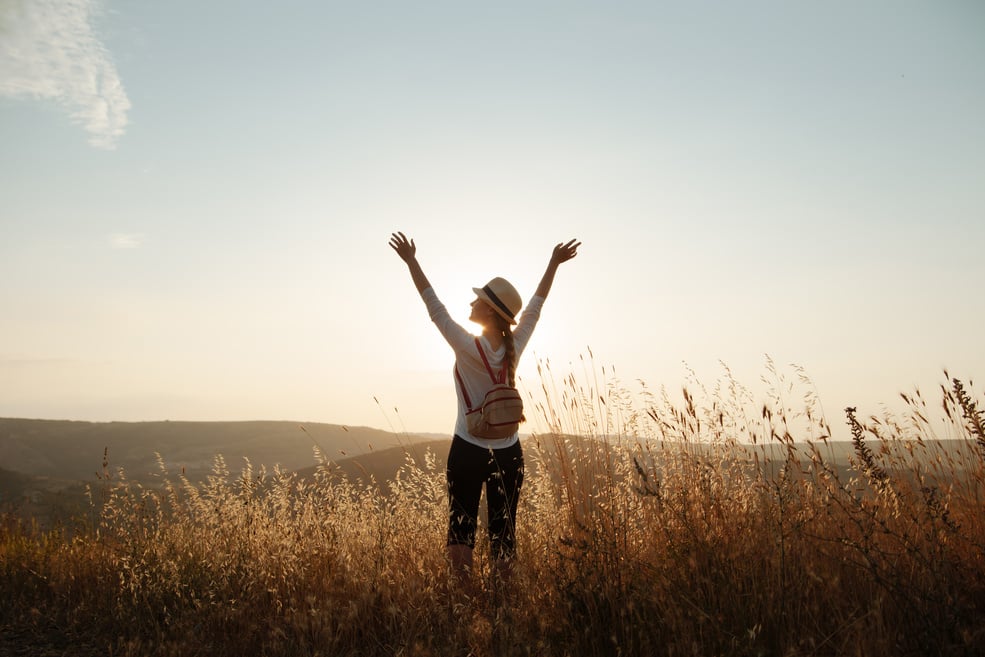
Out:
{"x": 126, "y": 240}
{"x": 49, "y": 51}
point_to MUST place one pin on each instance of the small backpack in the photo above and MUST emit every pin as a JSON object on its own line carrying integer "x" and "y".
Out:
{"x": 501, "y": 411}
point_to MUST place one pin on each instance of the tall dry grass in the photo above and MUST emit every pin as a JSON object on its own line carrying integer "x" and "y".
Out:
{"x": 715, "y": 525}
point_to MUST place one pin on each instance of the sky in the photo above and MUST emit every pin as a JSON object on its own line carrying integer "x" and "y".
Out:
{"x": 196, "y": 198}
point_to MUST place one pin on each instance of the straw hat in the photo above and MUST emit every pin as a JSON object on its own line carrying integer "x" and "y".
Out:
{"x": 501, "y": 297}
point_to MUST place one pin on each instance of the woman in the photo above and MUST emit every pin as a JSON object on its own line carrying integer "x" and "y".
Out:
{"x": 474, "y": 461}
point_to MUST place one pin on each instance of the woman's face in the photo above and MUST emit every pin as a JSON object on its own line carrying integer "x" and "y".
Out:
{"x": 481, "y": 312}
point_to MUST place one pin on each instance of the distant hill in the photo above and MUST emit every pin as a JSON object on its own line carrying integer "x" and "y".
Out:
{"x": 45, "y": 465}
{"x": 381, "y": 466}
{"x": 44, "y": 500}
{"x": 71, "y": 450}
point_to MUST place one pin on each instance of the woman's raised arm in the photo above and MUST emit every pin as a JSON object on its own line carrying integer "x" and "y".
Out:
{"x": 562, "y": 253}
{"x": 407, "y": 251}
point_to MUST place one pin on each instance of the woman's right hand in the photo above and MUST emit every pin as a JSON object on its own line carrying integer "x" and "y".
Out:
{"x": 565, "y": 252}
{"x": 405, "y": 248}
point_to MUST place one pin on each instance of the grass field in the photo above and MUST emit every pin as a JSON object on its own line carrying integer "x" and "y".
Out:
{"x": 717, "y": 525}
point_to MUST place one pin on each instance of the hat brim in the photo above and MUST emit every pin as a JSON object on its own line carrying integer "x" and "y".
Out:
{"x": 479, "y": 292}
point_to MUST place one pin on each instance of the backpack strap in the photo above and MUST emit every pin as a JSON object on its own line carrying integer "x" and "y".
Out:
{"x": 465, "y": 394}
{"x": 461, "y": 384}
{"x": 485, "y": 361}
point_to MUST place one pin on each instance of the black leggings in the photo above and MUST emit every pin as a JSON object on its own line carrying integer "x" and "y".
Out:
{"x": 501, "y": 470}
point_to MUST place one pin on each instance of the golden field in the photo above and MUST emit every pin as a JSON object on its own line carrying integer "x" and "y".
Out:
{"x": 717, "y": 525}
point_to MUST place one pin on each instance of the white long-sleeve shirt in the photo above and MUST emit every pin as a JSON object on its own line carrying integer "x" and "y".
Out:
{"x": 469, "y": 363}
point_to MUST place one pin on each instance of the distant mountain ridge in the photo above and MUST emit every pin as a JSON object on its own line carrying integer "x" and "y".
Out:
{"x": 46, "y": 465}
{"x": 74, "y": 450}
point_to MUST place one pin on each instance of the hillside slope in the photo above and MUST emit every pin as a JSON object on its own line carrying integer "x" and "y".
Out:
{"x": 75, "y": 450}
